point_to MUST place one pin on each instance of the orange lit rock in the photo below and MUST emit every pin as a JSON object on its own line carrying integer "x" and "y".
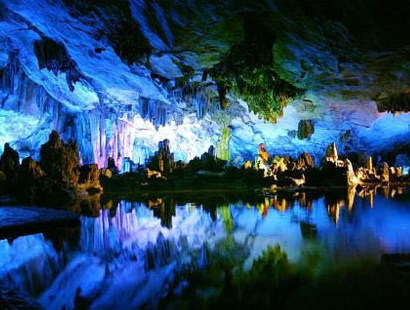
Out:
{"x": 247, "y": 165}
{"x": 262, "y": 152}
{"x": 369, "y": 163}
{"x": 90, "y": 177}
{"x": 304, "y": 162}
{"x": 331, "y": 153}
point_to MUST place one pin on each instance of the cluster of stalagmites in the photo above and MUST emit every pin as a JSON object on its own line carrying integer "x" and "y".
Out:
{"x": 264, "y": 170}
{"x": 333, "y": 171}
{"x": 57, "y": 177}
{"x": 162, "y": 172}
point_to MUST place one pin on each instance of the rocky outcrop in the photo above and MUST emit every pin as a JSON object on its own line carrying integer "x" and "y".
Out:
{"x": 336, "y": 171}
{"x": 32, "y": 181}
{"x": 9, "y": 163}
{"x": 89, "y": 178}
{"x": 384, "y": 172}
{"x": 262, "y": 160}
{"x": 57, "y": 179}
{"x": 306, "y": 128}
{"x": 331, "y": 153}
{"x": 304, "y": 162}
{"x": 60, "y": 161}
{"x": 163, "y": 160}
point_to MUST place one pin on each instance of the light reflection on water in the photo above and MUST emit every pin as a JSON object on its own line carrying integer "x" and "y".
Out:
{"x": 130, "y": 256}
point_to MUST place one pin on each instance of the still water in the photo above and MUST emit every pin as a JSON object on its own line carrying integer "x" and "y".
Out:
{"x": 137, "y": 253}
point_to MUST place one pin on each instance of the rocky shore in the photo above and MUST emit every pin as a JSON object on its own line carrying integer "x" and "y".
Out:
{"x": 59, "y": 178}
{"x": 28, "y": 220}
{"x": 211, "y": 173}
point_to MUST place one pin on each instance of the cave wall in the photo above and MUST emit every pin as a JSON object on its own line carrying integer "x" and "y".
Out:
{"x": 71, "y": 66}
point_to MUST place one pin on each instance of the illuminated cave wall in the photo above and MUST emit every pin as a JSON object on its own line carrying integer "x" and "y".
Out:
{"x": 60, "y": 70}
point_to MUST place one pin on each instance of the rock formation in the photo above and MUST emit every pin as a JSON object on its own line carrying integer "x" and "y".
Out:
{"x": 32, "y": 181}
{"x": 89, "y": 178}
{"x": 9, "y": 163}
{"x": 258, "y": 56}
{"x": 163, "y": 160}
{"x": 304, "y": 162}
{"x": 306, "y": 128}
{"x": 60, "y": 161}
{"x": 331, "y": 153}
{"x": 262, "y": 160}
{"x": 57, "y": 179}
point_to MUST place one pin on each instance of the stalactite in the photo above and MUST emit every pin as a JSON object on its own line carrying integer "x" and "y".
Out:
{"x": 54, "y": 57}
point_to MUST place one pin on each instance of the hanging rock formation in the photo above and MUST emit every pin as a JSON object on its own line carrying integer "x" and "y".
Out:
{"x": 306, "y": 128}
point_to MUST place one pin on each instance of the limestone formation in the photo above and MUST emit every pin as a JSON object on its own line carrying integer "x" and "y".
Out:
{"x": 163, "y": 160}
{"x": 262, "y": 160}
{"x": 111, "y": 165}
{"x": 32, "y": 182}
{"x": 152, "y": 174}
{"x": 263, "y": 154}
{"x": 89, "y": 178}
{"x": 60, "y": 161}
{"x": 2, "y": 182}
{"x": 352, "y": 180}
{"x": 106, "y": 173}
{"x": 306, "y": 128}
{"x": 331, "y": 153}
{"x": 304, "y": 162}
{"x": 2, "y": 177}
{"x": 9, "y": 162}
{"x": 31, "y": 169}
{"x": 384, "y": 172}
{"x": 369, "y": 163}
{"x": 57, "y": 179}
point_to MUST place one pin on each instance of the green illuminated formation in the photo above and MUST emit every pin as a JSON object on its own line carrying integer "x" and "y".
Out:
{"x": 223, "y": 147}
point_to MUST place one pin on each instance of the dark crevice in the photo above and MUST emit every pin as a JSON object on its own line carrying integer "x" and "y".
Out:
{"x": 396, "y": 103}
{"x": 54, "y": 57}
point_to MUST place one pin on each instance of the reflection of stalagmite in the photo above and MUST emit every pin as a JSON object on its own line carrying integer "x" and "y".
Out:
{"x": 369, "y": 163}
{"x": 333, "y": 209}
{"x": 280, "y": 205}
{"x": 351, "y": 193}
{"x": 386, "y": 191}
{"x": 302, "y": 200}
{"x": 264, "y": 207}
{"x": 368, "y": 193}
{"x": 371, "y": 199}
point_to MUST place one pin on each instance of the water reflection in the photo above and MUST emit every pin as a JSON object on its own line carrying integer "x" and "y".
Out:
{"x": 134, "y": 252}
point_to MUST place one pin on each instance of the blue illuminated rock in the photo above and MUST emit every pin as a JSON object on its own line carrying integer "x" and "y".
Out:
{"x": 67, "y": 66}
